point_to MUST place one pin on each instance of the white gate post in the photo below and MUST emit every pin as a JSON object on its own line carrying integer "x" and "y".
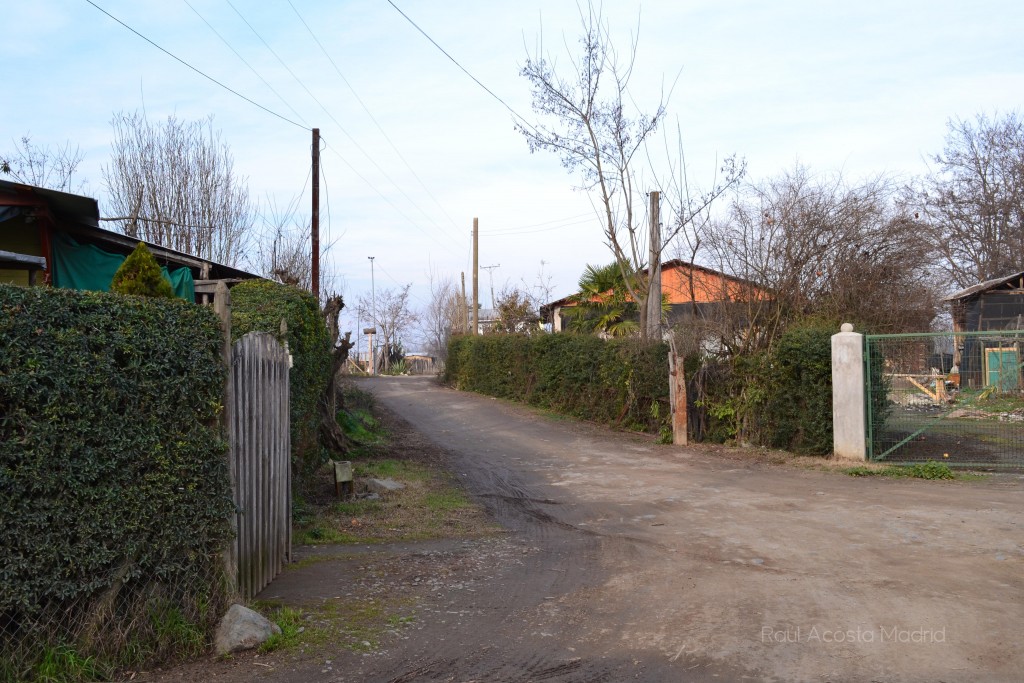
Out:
{"x": 849, "y": 432}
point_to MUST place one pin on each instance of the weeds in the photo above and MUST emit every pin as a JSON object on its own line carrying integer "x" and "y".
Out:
{"x": 63, "y": 664}
{"x": 926, "y": 470}
{"x": 293, "y": 630}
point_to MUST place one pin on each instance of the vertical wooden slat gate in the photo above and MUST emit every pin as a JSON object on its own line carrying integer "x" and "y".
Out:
{"x": 260, "y": 454}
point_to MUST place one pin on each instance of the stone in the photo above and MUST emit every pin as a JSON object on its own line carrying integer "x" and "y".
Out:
{"x": 383, "y": 486}
{"x": 242, "y": 629}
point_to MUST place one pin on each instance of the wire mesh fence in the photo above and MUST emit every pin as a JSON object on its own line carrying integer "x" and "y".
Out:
{"x": 119, "y": 621}
{"x": 957, "y": 398}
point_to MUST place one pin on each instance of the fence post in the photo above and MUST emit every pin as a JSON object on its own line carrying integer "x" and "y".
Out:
{"x": 222, "y": 307}
{"x": 848, "y": 404}
{"x": 677, "y": 398}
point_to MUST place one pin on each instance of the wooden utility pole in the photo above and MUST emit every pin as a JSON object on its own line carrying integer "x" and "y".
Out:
{"x": 476, "y": 276}
{"x": 315, "y": 222}
{"x": 653, "y": 330}
{"x": 463, "y": 311}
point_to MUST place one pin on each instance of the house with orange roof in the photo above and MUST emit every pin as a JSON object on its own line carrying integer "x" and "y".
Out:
{"x": 690, "y": 289}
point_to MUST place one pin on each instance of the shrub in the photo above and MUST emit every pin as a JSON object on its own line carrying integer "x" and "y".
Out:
{"x": 140, "y": 275}
{"x": 116, "y": 489}
{"x": 796, "y": 391}
{"x": 781, "y": 398}
{"x": 259, "y": 306}
{"x": 617, "y": 382}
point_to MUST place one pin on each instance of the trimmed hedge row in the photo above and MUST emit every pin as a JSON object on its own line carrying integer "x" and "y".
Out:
{"x": 259, "y": 306}
{"x": 617, "y": 382}
{"x": 780, "y": 398}
{"x": 112, "y": 467}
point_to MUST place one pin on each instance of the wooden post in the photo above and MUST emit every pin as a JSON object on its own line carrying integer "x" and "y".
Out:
{"x": 677, "y": 398}
{"x": 315, "y": 218}
{"x": 222, "y": 307}
{"x": 476, "y": 277}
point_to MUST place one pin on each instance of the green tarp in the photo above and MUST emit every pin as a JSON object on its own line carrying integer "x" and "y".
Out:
{"x": 85, "y": 266}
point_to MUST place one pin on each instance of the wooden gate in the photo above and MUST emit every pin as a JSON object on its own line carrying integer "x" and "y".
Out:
{"x": 260, "y": 454}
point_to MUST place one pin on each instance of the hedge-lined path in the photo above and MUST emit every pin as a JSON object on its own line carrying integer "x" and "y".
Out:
{"x": 629, "y": 560}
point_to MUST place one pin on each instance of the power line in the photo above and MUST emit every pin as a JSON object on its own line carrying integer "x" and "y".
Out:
{"x": 464, "y": 69}
{"x": 351, "y": 139}
{"x": 251, "y": 68}
{"x": 383, "y": 196}
{"x": 204, "y": 75}
{"x": 515, "y": 233}
{"x": 370, "y": 114}
{"x": 539, "y": 227}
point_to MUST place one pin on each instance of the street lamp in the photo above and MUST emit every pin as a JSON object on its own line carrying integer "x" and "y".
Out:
{"x": 373, "y": 298}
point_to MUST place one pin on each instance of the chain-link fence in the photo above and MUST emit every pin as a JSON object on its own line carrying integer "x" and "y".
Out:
{"x": 957, "y": 398}
{"x": 119, "y": 621}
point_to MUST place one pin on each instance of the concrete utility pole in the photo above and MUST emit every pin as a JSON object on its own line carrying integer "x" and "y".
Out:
{"x": 490, "y": 274}
{"x": 653, "y": 330}
{"x": 315, "y": 221}
{"x": 373, "y": 326}
{"x": 476, "y": 276}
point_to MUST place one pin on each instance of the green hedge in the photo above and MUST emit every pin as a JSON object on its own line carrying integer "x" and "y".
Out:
{"x": 781, "y": 398}
{"x": 617, "y": 382}
{"x": 116, "y": 492}
{"x": 259, "y": 306}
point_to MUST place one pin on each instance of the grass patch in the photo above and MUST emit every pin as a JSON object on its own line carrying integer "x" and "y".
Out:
{"x": 325, "y": 532}
{"x": 357, "y": 507}
{"x": 926, "y": 470}
{"x": 389, "y": 468}
{"x": 64, "y": 665}
{"x": 354, "y": 624}
{"x": 294, "y": 630}
{"x": 444, "y": 501}
{"x": 431, "y": 505}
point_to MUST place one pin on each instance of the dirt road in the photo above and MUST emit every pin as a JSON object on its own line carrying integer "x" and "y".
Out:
{"x": 628, "y": 560}
{"x": 663, "y": 564}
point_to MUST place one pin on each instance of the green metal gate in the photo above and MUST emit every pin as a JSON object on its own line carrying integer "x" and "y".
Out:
{"x": 955, "y": 398}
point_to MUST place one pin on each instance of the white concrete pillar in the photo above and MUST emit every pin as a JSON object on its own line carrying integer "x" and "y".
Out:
{"x": 848, "y": 419}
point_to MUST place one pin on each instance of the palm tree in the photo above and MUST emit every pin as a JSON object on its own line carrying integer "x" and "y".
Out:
{"x": 602, "y": 305}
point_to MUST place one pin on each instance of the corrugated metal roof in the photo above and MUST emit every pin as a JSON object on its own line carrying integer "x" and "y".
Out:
{"x": 983, "y": 286}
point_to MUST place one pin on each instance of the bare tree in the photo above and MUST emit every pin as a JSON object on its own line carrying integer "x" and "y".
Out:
{"x": 442, "y": 317}
{"x": 974, "y": 200}
{"x": 595, "y": 135}
{"x": 49, "y": 167}
{"x": 394, "y": 319}
{"x": 283, "y": 250}
{"x": 517, "y": 312}
{"x": 174, "y": 184}
{"x": 804, "y": 245}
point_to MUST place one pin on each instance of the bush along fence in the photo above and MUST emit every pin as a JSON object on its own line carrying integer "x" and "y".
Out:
{"x": 780, "y": 398}
{"x": 116, "y": 494}
{"x": 615, "y": 382}
{"x": 260, "y": 306}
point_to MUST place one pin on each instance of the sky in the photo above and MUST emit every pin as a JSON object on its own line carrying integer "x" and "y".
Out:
{"x": 415, "y": 149}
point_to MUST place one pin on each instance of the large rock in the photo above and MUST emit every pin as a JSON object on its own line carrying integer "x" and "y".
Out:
{"x": 243, "y": 629}
{"x": 383, "y": 486}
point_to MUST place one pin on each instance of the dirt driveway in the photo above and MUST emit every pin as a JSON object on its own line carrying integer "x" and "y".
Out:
{"x": 671, "y": 565}
{"x": 628, "y": 560}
